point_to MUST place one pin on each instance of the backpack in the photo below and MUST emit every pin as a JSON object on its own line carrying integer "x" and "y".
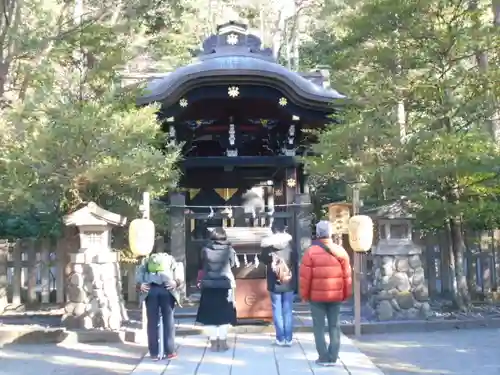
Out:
{"x": 155, "y": 263}
{"x": 280, "y": 269}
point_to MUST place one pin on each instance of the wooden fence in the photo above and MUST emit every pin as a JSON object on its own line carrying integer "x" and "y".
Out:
{"x": 482, "y": 262}
{"x": 33, "y": 272}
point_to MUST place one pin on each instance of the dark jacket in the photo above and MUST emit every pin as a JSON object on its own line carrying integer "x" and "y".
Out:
{"x": 281, "y": 245}
{"x": 217, "y": 259}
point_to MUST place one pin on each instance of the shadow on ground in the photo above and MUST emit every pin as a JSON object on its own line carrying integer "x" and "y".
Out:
{"x": 74, "y": 359}
{"x": 460, "y": 352}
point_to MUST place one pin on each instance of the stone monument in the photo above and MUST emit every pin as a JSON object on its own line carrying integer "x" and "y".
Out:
{"x": 93, "y": 290}
{"x": 399, "y": 289}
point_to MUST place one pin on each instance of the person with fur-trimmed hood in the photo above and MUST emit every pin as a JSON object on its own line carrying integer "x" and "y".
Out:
{"x": 278, "y": 255}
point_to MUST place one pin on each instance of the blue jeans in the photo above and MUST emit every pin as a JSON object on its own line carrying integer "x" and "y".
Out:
{"x": 159, "y": 300}
{"x": 283, "y": 315}
{"x": 330, "y": 311}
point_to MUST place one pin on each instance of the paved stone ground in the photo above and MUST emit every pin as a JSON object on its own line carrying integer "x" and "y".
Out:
{"x": 253, "y": 354}
{"x": 74, "y": 359}
{"x": 461, "y": 352}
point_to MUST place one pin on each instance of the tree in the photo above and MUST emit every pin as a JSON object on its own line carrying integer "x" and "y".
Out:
{"x": 435, "y": 150}
{"x": 70, "y": 132}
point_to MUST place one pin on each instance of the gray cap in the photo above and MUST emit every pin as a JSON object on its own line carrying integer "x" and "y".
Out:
{"x": 324, "y": 229}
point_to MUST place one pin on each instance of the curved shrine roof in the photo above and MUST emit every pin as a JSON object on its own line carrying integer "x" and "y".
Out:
{"x": 233, "y": 55}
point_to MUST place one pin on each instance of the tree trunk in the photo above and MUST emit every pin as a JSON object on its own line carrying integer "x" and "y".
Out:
{"x": 495, "y": 7}
{"x": 483, "y": 65}
{"x": 448, "y": 278}
{"x": 461, "y": 292}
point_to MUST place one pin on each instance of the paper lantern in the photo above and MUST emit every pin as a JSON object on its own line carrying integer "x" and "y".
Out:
{"x": 141, "y": 236}
{"x": 361, "y": 233}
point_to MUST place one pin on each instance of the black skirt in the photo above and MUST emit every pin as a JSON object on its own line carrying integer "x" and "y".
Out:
{"x": 216, "y": 307}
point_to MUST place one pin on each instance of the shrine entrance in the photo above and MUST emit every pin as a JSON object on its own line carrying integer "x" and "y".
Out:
{"x": 243, "y": 120}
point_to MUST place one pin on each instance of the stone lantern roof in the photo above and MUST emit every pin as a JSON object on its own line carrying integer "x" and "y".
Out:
{"x": 92, "y": 214}
{"x": 400, "y": 209}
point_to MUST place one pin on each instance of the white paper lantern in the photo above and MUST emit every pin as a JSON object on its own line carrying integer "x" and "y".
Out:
{"x": 361, "y": 233}
{"x": 141, "y": 236}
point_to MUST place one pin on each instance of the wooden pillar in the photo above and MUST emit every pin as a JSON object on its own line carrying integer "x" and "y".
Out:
{"x": 302, "y": 228}
{"x": 303, "y": 181}
{"x": 17, "y": 277}
{"x": 32, "y": 272}
{"x": 303, "y": 232}
{"x": 291, "y": 186}
{"x": 270, "y": 204}
{"x": 178, "y": 231}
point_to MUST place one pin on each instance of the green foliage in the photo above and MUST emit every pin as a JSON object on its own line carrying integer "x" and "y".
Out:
{"x": 29, "y": 225}
{"x": 423, "y": 75}
{"x": 71, "y": 133}
{"x": 420, "y": 57}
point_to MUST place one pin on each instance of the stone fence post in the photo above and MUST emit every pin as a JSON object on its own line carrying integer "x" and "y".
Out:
{"x": 94, "y": 291}
{"x": 399, "y": 289}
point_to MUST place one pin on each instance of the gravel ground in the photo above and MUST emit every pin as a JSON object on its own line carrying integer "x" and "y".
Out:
{"x": 460, "y": 352}
{"x": 74, "y": 359}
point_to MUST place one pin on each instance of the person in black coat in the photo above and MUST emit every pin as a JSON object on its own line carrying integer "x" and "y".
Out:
{"x": 217, "y": 309}
{"x": 278, "y": 247}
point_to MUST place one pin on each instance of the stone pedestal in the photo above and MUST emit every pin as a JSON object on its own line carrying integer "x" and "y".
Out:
{"x": 93, "y": 289}
{"x": 399, "y": 287}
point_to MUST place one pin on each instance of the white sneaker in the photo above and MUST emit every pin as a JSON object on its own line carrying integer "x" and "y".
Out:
{"x": 288, "y": 343}
{"x": 279, "y": 343}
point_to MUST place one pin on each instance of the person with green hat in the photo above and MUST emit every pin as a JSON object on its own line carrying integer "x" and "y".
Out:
{"x": 159, "y": 279}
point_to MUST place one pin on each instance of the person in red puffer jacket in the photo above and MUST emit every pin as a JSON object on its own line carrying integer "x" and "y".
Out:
{"x": 325, "y": 282}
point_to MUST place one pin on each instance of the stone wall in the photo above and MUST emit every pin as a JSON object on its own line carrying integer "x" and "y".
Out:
{"x": 399, "y": 289}
{"x": 94, "y": 293}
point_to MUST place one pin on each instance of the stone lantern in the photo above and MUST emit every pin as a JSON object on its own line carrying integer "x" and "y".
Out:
{"x": 93, "y": 290}
{"x": 399, "y": 289}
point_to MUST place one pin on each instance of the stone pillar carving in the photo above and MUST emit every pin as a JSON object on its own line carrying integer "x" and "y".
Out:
{"x": 399, "y": 289}
{"x": 232, "y": 150}
{"x": 177, "y": 228}
{"x": 289, "y": 147}
{"x": 94, "y": 290}
{"x": 290, "y": 194}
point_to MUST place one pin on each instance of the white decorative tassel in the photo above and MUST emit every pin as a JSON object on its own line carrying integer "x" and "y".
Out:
{"x": 245, "y": 260}
{"x": 256, "y": 261}
{"x": 228, "y": 211}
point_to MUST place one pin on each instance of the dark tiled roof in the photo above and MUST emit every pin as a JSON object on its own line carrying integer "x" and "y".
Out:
{"x": 234, "y": 54}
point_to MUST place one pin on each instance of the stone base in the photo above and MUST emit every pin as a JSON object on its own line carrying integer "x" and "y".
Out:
{"x": 94, "y": 297}
{"x": 399, "y": 288}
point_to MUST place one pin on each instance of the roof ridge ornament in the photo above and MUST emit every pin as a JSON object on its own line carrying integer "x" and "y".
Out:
{"x": 233, "y": 38}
